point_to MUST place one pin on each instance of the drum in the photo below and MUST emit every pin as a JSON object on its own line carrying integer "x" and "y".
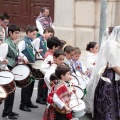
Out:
{"x": 82, "y": 76}
{"x": 74, "y": 80}
{"x": 78, "y": 92}
{"x": 37, "y": 64}
{"x": 22, "y": 74}
{"x": 3, "y": 94}
{"x": 36, "y": 69}
{"x": 7, "y": 81}
{"x": 78, "y": 107}
{"x": 81, "y": 83}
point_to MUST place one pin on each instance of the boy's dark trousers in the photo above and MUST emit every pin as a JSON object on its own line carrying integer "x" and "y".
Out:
{"x": 26, "y": 94}
{"x": 42, "y": 92}
{"x": 8, "y": 104}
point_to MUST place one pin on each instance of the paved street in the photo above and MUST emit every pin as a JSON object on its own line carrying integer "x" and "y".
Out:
{"x": 36, "y": 113}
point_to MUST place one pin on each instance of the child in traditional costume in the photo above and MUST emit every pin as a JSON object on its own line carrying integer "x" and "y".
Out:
{"x": 69, "y": 52}
{"x": 92, "y": 47}
{"x": 77, "y": 64}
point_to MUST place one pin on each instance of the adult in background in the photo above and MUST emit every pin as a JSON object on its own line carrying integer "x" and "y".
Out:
{"x": 44, "y": 20}
{"x": 107, "y": 90}
{"x": 3, "y": 46}
{"x": 89, "y": 98}
{"x": 4, "y": 21}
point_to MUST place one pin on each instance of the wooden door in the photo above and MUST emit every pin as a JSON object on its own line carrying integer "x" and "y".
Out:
{"x": 36, "y": 5}
{"x": 12, "y": 7}
{"x": 24, "y": 12}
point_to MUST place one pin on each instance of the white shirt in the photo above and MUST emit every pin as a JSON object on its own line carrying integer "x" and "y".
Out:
{"x": 58, "y": 102}
{"x": 39, "y": 26}
{"x": 47, "y": 76}
{"x": 84, "y": 69}
{"x": 3, "y": 54}
{"x": 91, "y": 59}
{"x": 4, "y": 37}
{"x": 21, "y": 47}
{"x": 36, "y": 43}
{"x": 45, "y": 66}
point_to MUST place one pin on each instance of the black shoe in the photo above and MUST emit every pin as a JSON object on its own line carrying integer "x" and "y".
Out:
{"x": 11, "y": 117}
{"x": 25, "y": 108}
{"x": 15, "y": 114}
{"x": 41, "y": 102}
{"x": 31, "y": 105}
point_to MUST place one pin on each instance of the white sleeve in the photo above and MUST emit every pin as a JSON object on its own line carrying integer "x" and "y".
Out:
{"x": 21, "y": 47}
{"x": 90, "y": 61}
{"x": 45, "y": 66}
{"x": 47, "y": 76}
{"x": 3, "y": 50}
{"x": 39, "y": 26}
{"x": 84, "y": 69}
{"x": 57, "y": 101}
{"x": 36, "y": 43}
{"x": 47, "y": 79}
{"x": 1, "y": 59}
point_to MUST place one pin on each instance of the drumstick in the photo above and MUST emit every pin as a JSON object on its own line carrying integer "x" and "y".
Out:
{"x": 82, "y": 77}
{"x": 4, "y": 77}
{"x": 18, "y": 74}
{"x": 75, "y": 106}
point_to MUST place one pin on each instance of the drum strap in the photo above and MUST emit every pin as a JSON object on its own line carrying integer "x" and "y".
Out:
{"x": 85, "y": 91}
{"x": 32, "y": 78}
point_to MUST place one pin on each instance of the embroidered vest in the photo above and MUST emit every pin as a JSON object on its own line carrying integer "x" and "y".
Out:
{"x": 43, "y": 46}
{"x": 28, "y": 51}
{"x": 12, "y": 55}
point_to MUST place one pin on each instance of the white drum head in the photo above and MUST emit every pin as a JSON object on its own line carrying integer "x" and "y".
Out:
{"x": 74, "y": 81}
{"x": 21, "y": 72}
{"x": 82, "y": 83}
{"x": 79, "y": 92}
{"x": 86, "y": 79}
{"x": 37, "y": 64}
{"x": 78, "y": 107}
{"x": 6, "y": 77}
{"x": 3, "y": 93}
{"x": 82, "y": 76}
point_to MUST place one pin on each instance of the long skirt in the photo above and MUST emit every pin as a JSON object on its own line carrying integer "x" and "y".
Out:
{"x": 107, "y": 98}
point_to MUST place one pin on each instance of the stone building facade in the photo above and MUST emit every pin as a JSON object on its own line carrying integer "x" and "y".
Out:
{"x": 78, "y": 21}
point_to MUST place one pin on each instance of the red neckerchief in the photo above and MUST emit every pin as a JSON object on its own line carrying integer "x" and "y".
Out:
{"x": 48, "y": 53}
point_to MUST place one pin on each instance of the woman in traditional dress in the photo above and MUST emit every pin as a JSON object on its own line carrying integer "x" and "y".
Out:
{"x": 89, "y": 98}
{"x": 107, "y": 92}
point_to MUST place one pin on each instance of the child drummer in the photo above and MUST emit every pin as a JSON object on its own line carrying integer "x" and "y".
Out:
{"x": 77, "y": 64}
{"x": 61, "y": 98}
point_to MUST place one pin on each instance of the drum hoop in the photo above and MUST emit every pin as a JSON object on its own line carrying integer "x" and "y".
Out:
{"x": 10, "y": 72}
{"x": 77, "y": 104}
{"x": 76, "y": 79}
{"x": 79, "y": 88}
{"x": 19, "y": 65}
{"x": 4, "y": 90}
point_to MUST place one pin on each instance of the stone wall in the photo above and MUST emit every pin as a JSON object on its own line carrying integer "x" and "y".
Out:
{"x": 77, "y": 21}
